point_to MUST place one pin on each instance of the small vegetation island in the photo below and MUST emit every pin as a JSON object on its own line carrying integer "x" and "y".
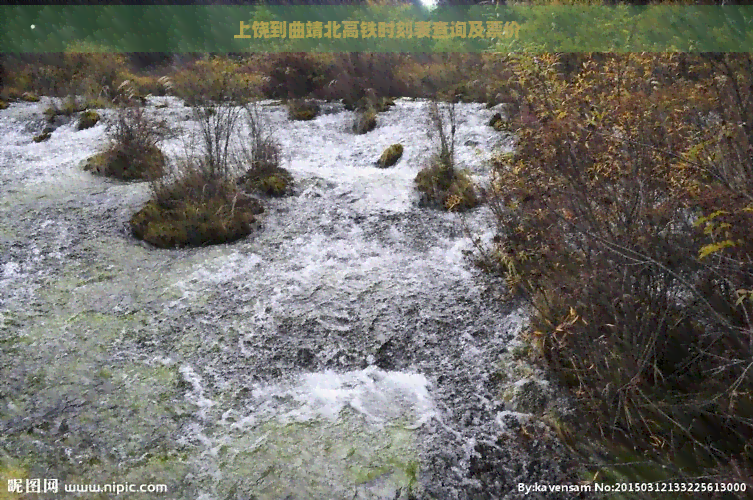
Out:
{"x": 623, "y": 217}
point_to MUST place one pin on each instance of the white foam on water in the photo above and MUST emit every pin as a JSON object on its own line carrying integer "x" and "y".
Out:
{"x": 379, "y": 396}
{"x": 196, "y": 396}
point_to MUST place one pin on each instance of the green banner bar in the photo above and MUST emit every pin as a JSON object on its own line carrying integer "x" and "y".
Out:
{"x": 178, "y": 28}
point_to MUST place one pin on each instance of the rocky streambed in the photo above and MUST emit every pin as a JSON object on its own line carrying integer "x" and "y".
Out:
{"x": 347, "y": 350}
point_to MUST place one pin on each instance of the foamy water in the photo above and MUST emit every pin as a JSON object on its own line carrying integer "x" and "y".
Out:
{"x": 337, "y": 353}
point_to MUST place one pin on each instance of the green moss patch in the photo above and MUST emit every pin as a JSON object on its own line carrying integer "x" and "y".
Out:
{"x": 3, "y": 105}
{"x": 444, "y": 187}
{"x": 390, "y": 156}
{"x": 303, "y": 109}
{"x": 88, "y": 119}
{"x": 269, "y": 180}
{"x": 128, "y": 165}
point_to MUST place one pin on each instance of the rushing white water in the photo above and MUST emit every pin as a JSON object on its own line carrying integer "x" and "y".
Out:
{"x": 346, "y": 350}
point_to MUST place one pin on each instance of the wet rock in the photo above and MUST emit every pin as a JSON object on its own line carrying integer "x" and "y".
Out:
{"x": 529, "y": 396}
{"x": 347, "y": 360}
{"x": 305, "y": 358}
{"x": 365, "y": 121}
{"x": 42, "y": 137}
{"x": 63, "y": 428}
{"x": 391, "y": 355}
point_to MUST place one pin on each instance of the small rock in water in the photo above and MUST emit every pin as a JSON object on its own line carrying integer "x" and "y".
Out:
{"x": 305, "y": 358}
{"x": 530, "y": 397}
{"x": 390, "y": 355}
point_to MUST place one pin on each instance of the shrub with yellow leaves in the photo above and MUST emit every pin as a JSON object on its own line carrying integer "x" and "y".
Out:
{"x": 624, "y": 217}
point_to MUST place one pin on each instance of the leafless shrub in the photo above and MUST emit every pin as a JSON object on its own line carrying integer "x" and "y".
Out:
{"x": 218, "y": 124}
{"x": 261, "y": 151}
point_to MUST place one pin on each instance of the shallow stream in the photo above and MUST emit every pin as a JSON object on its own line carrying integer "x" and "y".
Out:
{"x": 347, "y": 350}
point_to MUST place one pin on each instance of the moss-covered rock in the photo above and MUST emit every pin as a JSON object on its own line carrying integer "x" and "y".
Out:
{"x": 498, "y": 123}
{"x": 45, "y": 135}
{"x": 88, "y": 119}
{"x": 444, "y": 187}
{"x": 30, "y": 97}
{"x": 176, "y": 223}
{"x": 269, "y": 180}
{"x": 3, "y": 104}
{"x": 365, "y": 121}
{"x": 303, "y": 109}
{"x": 390, "y": 156}
{"x": 128, "y": 165}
